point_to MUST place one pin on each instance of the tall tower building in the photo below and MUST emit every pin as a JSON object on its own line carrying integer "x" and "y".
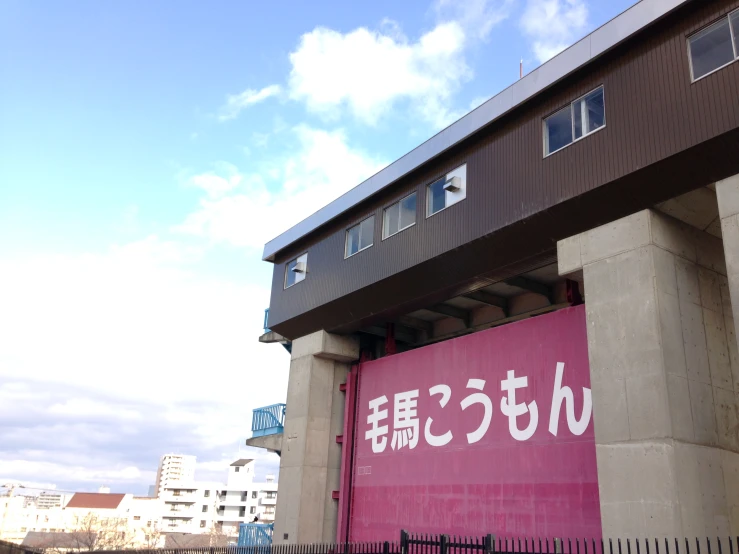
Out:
{"x": 173, "y": 468}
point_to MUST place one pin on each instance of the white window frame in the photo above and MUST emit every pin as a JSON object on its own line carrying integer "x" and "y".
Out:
{"x": 544, "y": 134}
{"x": 733, "y": 47}
{"x": 458, "y": 196}
{"x": 400, "y": 229}
{"x": 304, "y": 260}
{"x": 346, "y": 237}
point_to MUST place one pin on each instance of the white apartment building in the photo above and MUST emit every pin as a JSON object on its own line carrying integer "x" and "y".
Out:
{"x": 136, "y": 519}
{"x": 242, "y": 500}
{"x": 207, "y": 507}
{"x": 189, "y": 507}
{"x": 196, "y": 507}
{"x": 174, "y": 468}
{"x": 52, "y": 500}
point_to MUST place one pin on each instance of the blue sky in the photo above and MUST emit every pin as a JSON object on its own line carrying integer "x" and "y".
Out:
{"x": 147, "y": 152}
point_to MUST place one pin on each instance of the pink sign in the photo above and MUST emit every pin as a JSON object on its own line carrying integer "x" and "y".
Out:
{"x": 487, "y": 433}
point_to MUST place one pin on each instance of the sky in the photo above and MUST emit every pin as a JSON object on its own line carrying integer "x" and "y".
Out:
{"x": 148, "y": 150}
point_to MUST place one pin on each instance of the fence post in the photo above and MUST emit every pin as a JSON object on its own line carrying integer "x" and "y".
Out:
{"x": 386, "y": 547}
{"x": 403, "y": 541}
{"x": 489, "y": 544}
{"x": 444, "y": 544}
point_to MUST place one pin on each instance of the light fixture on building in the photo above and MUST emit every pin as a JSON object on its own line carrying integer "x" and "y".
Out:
{"x": 453, "y": 185}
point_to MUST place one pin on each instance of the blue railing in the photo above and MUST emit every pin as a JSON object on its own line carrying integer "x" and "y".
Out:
{"x": 255, "y": 534}
{"x": 268, "y": 420}
{"x": 266, "y": 317}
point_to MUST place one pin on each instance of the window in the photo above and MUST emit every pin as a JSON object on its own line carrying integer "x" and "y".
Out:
{"x": 295, "y": 271}
{"x": 447, "y": 191}
{"x": 136, "y": 518}
{"x": 253, "y": 510}
{"x": 202, "y": 523}
{"x": 399, "y": 216}
{"x": 205, "y": 509}
{"x": 271, "y": 495}
{"x": 236, "y": 469}
{"x": 206, "y": 494}
{"x": 254, "y": 494}
{"x": 244, "y": 496}
{"x": 242, "y": 511}
{"x": 715, "y": 46}
{"x": 359, "y": 237}
{"x": 148, "y": 523}
{"x": 584, "y": 116}
{"x": 24, "y": 529}
{"x": 269, "y": 511}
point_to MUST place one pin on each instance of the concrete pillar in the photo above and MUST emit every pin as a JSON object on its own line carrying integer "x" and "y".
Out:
{"x": 663, "y": 372}
{"x": 727, "y": 193}
{"x": 310, "y": 463}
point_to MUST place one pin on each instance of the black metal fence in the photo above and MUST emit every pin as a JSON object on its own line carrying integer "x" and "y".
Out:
{"x": 489, "y": 544}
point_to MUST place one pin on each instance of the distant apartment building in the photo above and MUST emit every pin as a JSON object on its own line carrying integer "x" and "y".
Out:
{"x": 95, "y": 519}
{"x": 47, "y": 500}
{"x": 188, "y": 507}
{"x": 199, "y": 507}
{"x": 242, "y": 500}
{"x": 174, "y": 468}
{"x": 119, "y": 521}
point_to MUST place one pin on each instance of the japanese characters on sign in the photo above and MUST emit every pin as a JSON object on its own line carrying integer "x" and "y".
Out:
{"x": 489, "y": 432}
{"x": 407, "y": 423}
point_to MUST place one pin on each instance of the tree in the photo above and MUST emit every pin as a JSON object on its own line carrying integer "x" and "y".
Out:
{"x": 92, "y": 532}
{"x": 151, "y": 538}
{"x": 218, "y": 537}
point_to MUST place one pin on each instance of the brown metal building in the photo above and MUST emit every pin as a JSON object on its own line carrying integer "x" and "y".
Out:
{"x": 651, "y": 182}
{"x": 664, "y": 135}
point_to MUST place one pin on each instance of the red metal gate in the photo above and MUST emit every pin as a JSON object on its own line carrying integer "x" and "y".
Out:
{"x": 487, "y": 433}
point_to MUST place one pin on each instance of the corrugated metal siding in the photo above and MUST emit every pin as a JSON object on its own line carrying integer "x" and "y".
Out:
{"x": 653, "y": 112}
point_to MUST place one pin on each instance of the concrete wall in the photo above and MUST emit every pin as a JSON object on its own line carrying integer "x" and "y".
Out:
{"x": 310, "y": 463}
{"x": 665, "y": 375}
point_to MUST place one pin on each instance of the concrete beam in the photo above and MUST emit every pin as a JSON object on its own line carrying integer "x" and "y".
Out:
{"x": 401, "y": 334}
{"x": 340, "y": 348}
{"x": 531, "y": 286}
{"x": 450, "y": 311}
{"x": 271, "y": 337}
{"x": 417, "y": 324}
{"x": 273, "y": 443}
{"x": 489, "y": 299}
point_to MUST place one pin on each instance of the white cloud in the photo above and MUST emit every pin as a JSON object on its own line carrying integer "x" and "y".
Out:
{"x": 92, "y": 408}
{"x": 110, "y": 359}
{"x": 322, "y": 168}
{"x": 368, "y": 72}
{"x": 222, "y": 180}
{"x": 77, "y": 473}
{"x": 477, "y": 17}
{"x": 236, "y": 103}
{"x": 137, "y": 323}
{"x": 553, "y": 25}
